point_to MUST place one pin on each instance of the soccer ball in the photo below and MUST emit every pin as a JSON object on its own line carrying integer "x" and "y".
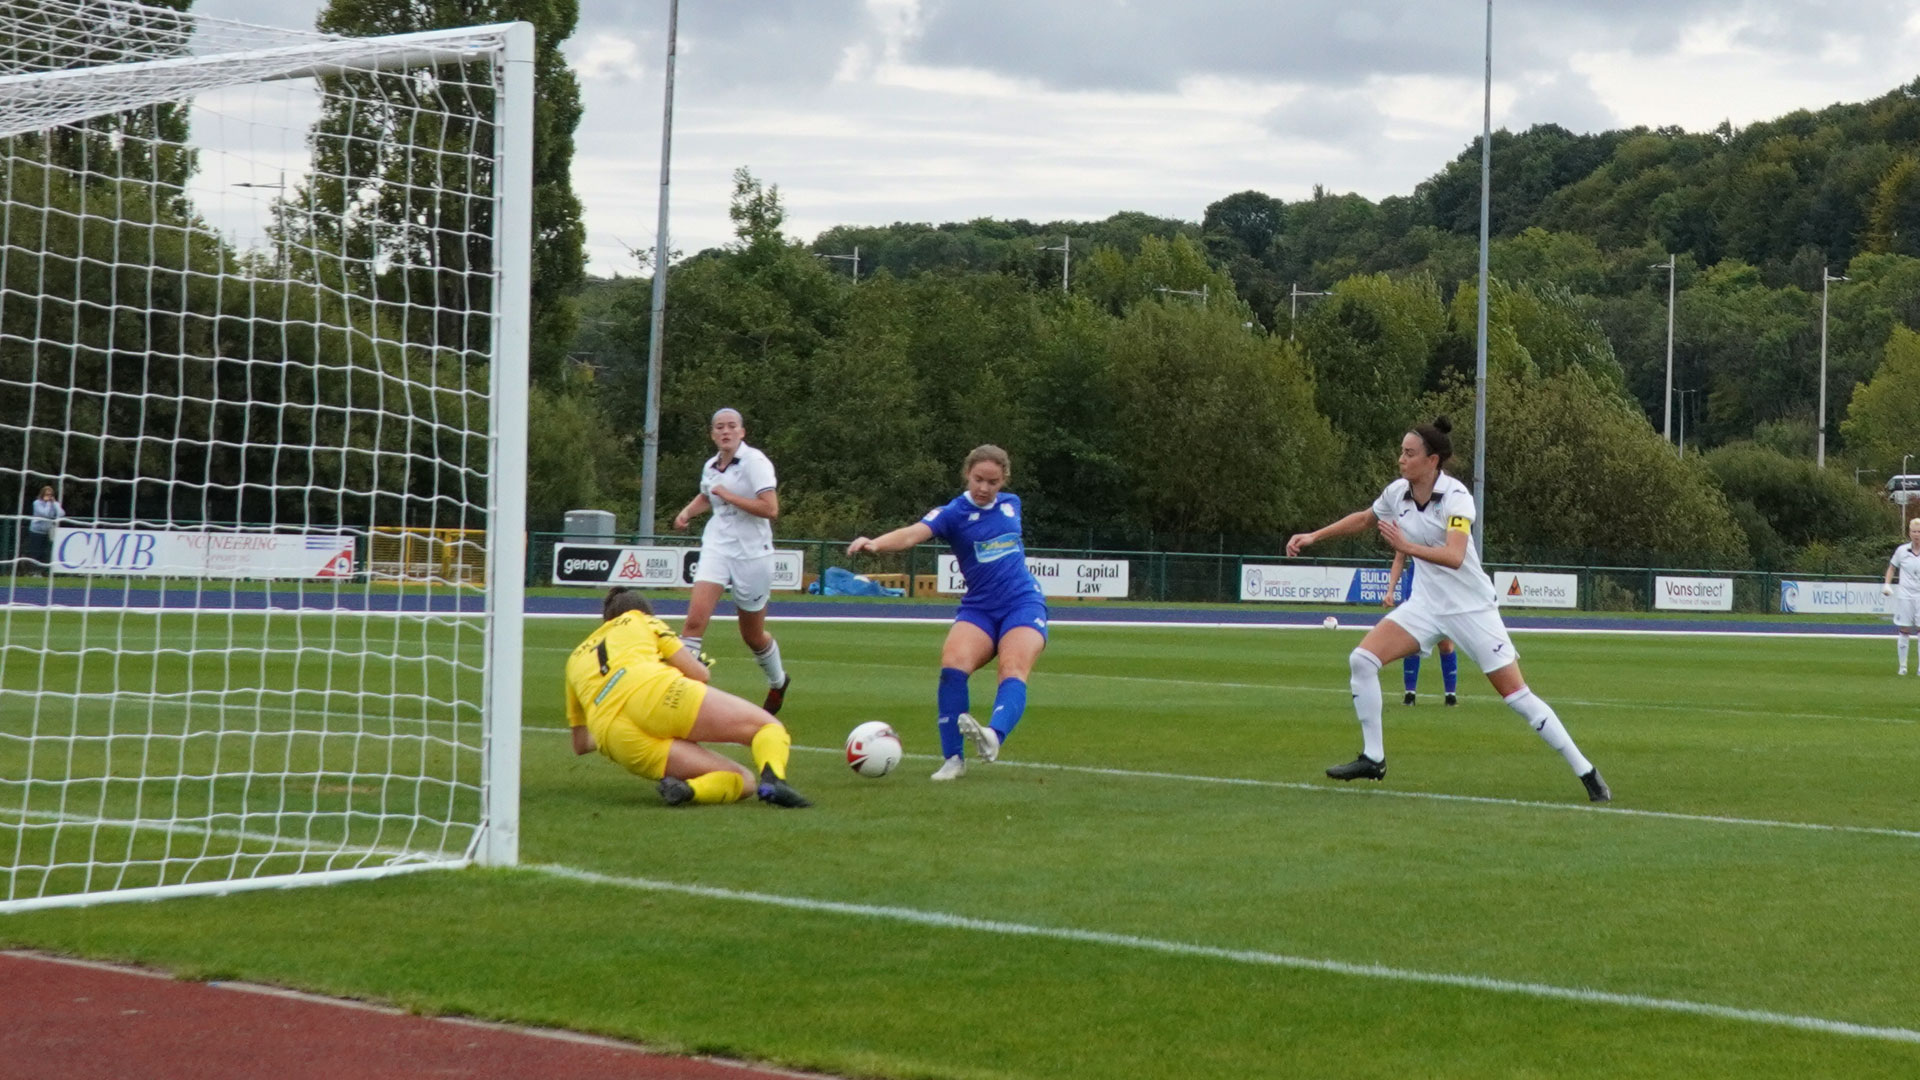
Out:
{"x": 873, "y": 749}
{"x": 1330, "y": 623}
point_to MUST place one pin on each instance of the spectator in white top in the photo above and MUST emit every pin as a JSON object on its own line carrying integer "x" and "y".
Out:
{"x": 1428, "y": 516}
{"x": 1906, "y": 598}
{"x": 736, "y": 549}
{"x": 46, "y": 513}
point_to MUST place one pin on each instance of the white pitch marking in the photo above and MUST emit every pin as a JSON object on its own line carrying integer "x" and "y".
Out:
{"x": 946, "y": 921}
{"x": 1388, "y": 793}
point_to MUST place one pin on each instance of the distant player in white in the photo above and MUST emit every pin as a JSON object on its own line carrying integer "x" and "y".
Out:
{"x": 1428, "y": 516}
{"x": 1906, "y": 598}
{"x": 736, "y": 549}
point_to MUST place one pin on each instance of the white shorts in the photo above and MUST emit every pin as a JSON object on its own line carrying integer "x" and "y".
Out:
{"x": 1480, "y": 634}
{"x": 1905, "y": 610}
{"x": 751, "y": 580}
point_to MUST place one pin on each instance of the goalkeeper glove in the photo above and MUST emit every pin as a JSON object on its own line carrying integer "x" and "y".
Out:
{"x": 1886, "y": 590}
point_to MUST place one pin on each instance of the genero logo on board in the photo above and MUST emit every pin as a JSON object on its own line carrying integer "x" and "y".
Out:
{"x": 591, "y": 565}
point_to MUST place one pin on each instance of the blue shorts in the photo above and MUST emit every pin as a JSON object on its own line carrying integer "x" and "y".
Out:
{"x": 1031, "y": 613}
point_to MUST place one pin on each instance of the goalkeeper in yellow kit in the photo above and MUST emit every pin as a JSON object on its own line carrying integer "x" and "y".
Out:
{"x": 640, "y": 698}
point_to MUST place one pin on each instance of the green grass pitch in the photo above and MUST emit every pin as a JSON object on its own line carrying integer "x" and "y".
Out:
{"x": 1143, "y": 887}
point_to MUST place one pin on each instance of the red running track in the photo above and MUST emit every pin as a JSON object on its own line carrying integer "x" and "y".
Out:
{"x": 76, "y": 1020}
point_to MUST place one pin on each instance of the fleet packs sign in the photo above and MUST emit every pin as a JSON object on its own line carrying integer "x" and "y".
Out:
{"x": 202, "y": 554}
{"x": 1057, "y": 577}
{"x": 1287, "y": 583}
{"x": 592, "y": 565}
{"x": 1834, "y": 598}
{"x": 1517, "y": 589}
{"x": 1693, "y": 593}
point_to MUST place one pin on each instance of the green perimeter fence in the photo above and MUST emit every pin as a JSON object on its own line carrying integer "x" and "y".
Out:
{"x": 1215, "y": 578}
{"x": 1166, "y": 576}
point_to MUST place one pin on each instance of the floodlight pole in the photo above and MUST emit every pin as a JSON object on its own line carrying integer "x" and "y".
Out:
{"x": 656, "y": 336}
{"x": 853, "y": 258}
{"x": 1294, "y": 317}
{"x": 1199, "y": 293}
{"x": 1666, "y": 403}
{"x": 1826, "y": 279}
{"x": 1066, "y": 260}
{"x": 1480, "y": 350}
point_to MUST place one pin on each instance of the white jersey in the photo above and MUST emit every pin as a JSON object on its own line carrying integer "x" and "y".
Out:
{"x": 1442, "y": 590}
{"x": 731, "y": 530}
{"x": 1908, "y": 563}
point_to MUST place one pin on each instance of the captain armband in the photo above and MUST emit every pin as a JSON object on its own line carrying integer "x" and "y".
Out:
{"x": 1457, "y": 523}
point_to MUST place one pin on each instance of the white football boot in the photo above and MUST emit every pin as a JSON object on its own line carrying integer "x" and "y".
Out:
{"x": 985, "y": 740}
{"x": 953, "y": 768}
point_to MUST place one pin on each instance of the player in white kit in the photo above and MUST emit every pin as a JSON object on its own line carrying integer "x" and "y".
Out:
{"x": 1428, "y": 516}
{"x": 736, "y": 549}
{"x": 1906, "y": 597}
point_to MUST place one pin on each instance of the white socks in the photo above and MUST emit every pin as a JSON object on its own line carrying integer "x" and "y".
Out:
{"x": 1903, "y": 652}
{"x": 692, "y": 644}
{"x": 1366, "y": 701}
{"x": 1539, "y": 715}
{"x": 769, "y": 661}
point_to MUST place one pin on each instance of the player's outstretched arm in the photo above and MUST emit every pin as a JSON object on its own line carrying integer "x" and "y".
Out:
{"x": 898, "y": 540}
{"x": 1352, "y": 525}
{"x": 583, "y": 740}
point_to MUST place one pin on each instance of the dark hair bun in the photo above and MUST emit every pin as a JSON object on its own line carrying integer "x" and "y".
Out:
{"x": 1443, "y": 425}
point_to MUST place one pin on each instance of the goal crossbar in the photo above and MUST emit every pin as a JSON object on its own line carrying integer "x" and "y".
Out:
{"x": 35, "y": 100}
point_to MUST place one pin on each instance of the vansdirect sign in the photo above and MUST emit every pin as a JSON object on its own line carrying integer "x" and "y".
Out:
{"x": 1693, "y": 593}
{"x": 1519, "y": 589}
{"x": 206, "y": 553}
{"x": 598, "y": 565}
{"x": 1057, "y": 577}
{"x": 1834, "y": 598}
{"x": 1288, "y": 583}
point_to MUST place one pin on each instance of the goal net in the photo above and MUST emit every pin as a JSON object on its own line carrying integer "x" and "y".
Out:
{"x": 263, "y": 316}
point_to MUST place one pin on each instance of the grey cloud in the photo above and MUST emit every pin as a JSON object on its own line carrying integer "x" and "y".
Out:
{"x": 1566, "y": 99}
{"x": 729, "y": 44}
{"x": 1343, "y": 119}
{"x": 1148, "y": 45}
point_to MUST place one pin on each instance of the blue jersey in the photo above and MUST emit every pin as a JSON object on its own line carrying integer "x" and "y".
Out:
{"x": 987, "y": 543}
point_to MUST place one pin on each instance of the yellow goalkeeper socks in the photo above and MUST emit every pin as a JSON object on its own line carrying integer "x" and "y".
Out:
{"x": 771, "y": 745}
{"x": 719, "y": 786}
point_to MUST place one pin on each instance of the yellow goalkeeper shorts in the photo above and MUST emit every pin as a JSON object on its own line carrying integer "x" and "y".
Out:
{"x": 640, "y": 734}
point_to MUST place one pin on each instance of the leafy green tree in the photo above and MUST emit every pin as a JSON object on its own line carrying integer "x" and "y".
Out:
{"x": 401, "y": 183}
{"x": 1369, "y": 346}
{"x": 1894, "y": 225}
{"x": 1879, "y": 428}
{"x": 1195, "y": 386}
{"x": 1574, "y": 471}
{"x": 1793, "y": 501}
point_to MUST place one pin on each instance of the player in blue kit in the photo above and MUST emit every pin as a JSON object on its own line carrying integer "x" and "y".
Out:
{"x": 1002, "y": 613}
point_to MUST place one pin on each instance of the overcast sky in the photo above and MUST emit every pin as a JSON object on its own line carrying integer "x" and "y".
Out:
{"x": 874, "y": 111}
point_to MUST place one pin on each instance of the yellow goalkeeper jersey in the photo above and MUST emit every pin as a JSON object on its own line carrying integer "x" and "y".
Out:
{"x": 621, "y": 658}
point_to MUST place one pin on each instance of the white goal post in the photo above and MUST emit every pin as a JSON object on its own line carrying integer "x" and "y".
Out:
{"x": 264, "y": 309}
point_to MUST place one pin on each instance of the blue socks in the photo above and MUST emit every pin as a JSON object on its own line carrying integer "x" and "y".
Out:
{"x": 1449, "y": 670}
{"x": 1008, "y": 703}
{"x": 953, "y": 702}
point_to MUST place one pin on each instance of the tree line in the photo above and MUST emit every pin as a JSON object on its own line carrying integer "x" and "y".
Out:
{"x": 1175, "y": 392}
